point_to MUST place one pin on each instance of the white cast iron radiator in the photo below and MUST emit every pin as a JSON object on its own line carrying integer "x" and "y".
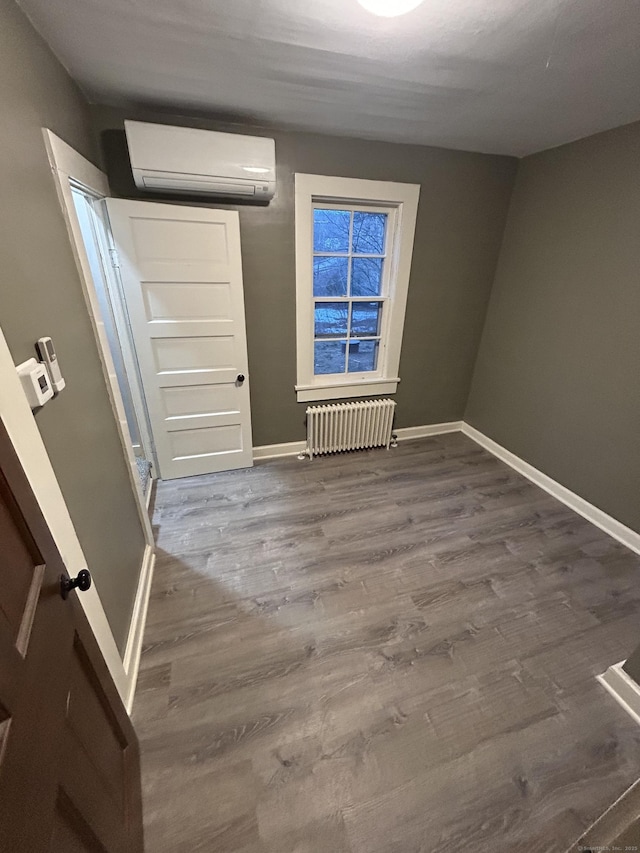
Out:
{"x": 349, "y": 426}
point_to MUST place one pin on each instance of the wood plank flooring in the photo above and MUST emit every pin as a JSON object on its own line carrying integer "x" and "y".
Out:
{"x": 383, "y": 652}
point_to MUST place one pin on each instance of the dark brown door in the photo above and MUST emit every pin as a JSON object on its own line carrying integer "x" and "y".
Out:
{"x": 69, "y": 759}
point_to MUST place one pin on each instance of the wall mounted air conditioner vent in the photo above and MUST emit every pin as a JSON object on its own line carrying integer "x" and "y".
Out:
{"x": 167, "y": 159}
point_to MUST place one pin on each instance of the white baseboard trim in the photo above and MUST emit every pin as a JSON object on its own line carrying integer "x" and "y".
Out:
{"x": 623, "y": 689}
{"x": 408, "y": 433}
{"x": 133, "y": 649}
{"x": 275, "y": 451}
{"x": 596, "y": 516}
{"x": 147, "y": 495}
{"x": 292, "y": 448}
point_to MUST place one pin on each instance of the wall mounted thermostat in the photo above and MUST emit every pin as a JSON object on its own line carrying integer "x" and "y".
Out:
{"x": 35, "y": 381}
{"x": 47, "y": 353}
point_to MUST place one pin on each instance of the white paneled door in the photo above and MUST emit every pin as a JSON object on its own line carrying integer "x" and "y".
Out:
{"x": 181, "y": 272}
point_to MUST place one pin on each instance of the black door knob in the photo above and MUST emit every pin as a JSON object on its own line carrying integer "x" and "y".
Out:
{"x": 240, "y": 378}
{"x": 81, "y": 582}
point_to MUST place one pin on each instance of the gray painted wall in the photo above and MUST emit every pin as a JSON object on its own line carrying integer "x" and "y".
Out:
{"x": 557, "y": 376}
{"x": 41, "y": 295}
{"x": 461, "y": 217}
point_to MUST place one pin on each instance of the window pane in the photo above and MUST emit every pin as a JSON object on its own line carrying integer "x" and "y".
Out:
{"x": 366, "y": 277}
{"x": 363, "y": 356}
{"x": 330, "y": 276}
{"x": 369, "y": 232}
{"x": 329, "y": 357}
{"x": 331, "y": 319}
{"x": 331, "y": 230}
{"x": 365, "y": 318}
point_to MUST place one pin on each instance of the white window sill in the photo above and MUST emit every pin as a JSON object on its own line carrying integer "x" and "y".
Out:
{"x": 333, "y": 391}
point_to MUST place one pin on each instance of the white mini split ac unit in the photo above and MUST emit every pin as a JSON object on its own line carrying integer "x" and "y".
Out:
{"x": 185, "y": 160}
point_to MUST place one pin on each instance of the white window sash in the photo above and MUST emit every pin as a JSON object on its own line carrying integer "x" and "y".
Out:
{"x": 400, "y": 203}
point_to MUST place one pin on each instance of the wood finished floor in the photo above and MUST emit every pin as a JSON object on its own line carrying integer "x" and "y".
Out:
{"x": 383, "y": 652}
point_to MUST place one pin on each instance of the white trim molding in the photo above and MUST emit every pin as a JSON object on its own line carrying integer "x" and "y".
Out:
{"x": 596, "y": 516}
{"x": 67, "y": 166}
{"x": 399, "y": 202}
{"x": 277, "y": 451}
{"x": 623, "y": 689}
{"x": 20, "y": 424}
{"x": 295, "y": 448}
{"x": 364, "y": 388}
{"x": 24, "y": 434}
{"x": 133, "y": 649}
{"x": 409, "y": 433}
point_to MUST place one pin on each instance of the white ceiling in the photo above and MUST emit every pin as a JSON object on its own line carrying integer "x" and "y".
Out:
{"x": 500, "y": 76}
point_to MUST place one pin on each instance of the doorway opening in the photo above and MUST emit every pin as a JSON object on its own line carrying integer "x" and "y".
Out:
{"x": 164, "y": 290}
{"x": 94, "y": 228}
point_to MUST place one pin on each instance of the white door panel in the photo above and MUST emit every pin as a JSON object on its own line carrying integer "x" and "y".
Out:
{"x": 187, "y": 301}
{"x": 190, "y": 400}
{"x": 203, "y": 354}
{"x": 177, "y": 424}
{"x": 182, "y": 278}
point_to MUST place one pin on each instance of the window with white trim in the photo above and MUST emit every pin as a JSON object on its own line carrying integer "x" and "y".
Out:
{"x": 354, "y": 241}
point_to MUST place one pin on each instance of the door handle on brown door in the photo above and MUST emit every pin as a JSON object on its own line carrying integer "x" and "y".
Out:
{"x": 240, "y": 378}
{"x": 82, "y": 582}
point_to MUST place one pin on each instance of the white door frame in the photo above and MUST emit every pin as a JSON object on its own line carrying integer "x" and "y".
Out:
{"x": 99, "y": 225}
{"x": 67, "y": 165}
{"x": 20, "y": 424}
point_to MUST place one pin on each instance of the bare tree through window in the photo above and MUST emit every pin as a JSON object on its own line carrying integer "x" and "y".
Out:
{"x": 348, "y": 266}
